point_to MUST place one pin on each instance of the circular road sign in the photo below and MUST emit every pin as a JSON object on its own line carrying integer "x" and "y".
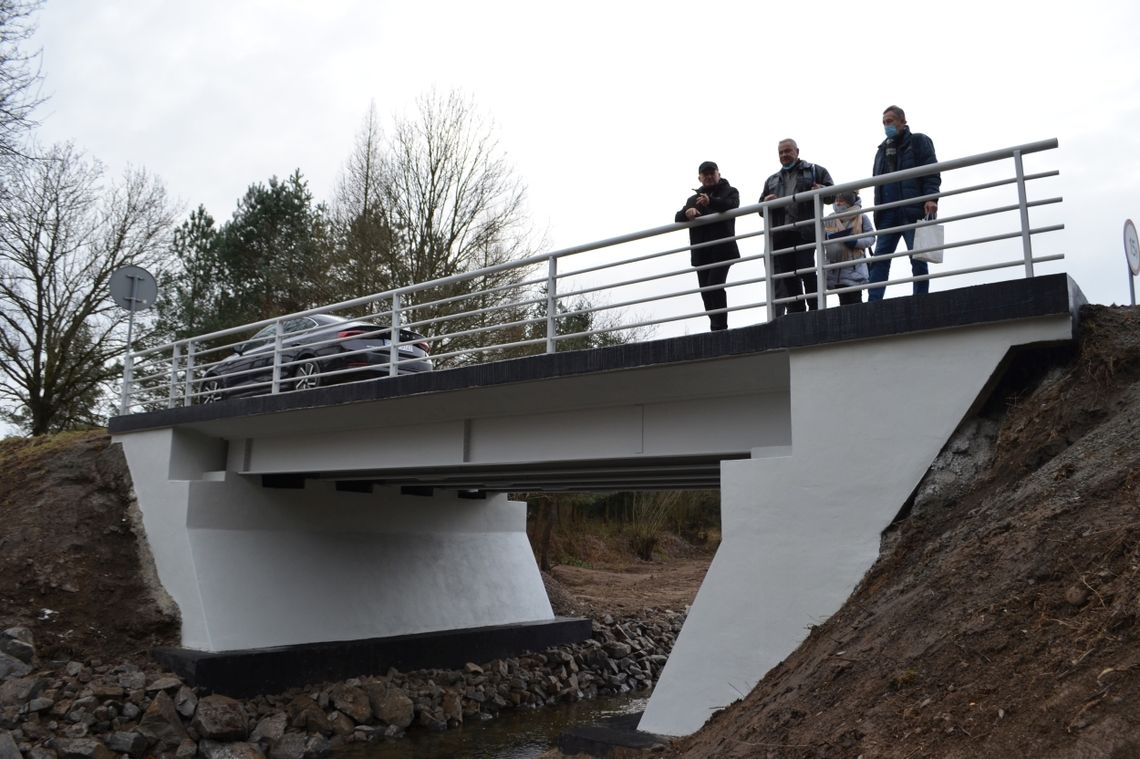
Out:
{"x": 1132, "y": 247}
{"x": 133, "y": 288}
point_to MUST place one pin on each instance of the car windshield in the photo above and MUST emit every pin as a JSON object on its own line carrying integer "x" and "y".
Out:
{"x": 262, "y": 338}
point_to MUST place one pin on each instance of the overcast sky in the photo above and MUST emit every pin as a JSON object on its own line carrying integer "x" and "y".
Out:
{"x": 605, "y": 109}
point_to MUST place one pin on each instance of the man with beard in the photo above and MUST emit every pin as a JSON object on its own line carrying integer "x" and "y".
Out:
{"x": 715, "y": 195}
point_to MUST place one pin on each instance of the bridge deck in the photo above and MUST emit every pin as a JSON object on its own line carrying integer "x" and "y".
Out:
{"x": 479, "y": 402}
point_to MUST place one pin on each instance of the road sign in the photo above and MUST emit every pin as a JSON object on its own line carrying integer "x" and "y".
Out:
{"x": 133, "y": 288}
{"x": 1132, "y": 247}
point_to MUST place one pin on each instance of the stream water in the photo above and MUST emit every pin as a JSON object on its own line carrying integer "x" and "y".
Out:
{"x": 512, "y": 735}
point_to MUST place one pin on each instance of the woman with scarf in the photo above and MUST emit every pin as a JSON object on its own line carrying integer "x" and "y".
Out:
{"x": 847, "y": 242}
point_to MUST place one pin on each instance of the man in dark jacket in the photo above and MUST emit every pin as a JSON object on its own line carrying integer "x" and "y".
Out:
{"x": 901, "y": 150}
{"x": 795, "y": 176}
{"x": 715, "y": 195}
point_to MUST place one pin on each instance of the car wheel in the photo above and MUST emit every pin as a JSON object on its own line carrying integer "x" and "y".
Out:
{"x": 211, "y": 391}
{"x": 307, "y": 376}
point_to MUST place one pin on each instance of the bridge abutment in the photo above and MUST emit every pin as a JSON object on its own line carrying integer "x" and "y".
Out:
{"x": 800, "y": 527}
{"x": 254, "y": 567}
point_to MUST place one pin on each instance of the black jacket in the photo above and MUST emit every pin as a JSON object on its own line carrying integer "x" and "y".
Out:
{"x": 807, "y": 174}
{"x": 911, "y": 149}
{"x": 722, "y": 197}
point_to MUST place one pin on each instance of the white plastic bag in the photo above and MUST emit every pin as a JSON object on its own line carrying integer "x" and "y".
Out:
{"x": 931, "y": 236}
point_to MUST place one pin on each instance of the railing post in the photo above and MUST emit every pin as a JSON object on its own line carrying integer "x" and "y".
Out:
{"x": 394, "y": 341}
{"x": 275, "y": 387}
{"x": 188, "y": 395}
{"x": 175, "y": 358}
{"x": 128, "y": 379}
{"x": 769, "y": 283}
{"x": 1026, "y": 242}
{"x": 551, "y": 304}
{"x": 820, "y": 274}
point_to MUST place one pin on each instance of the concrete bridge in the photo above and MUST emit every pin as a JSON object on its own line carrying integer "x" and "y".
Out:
{"x": 320, "y": 533}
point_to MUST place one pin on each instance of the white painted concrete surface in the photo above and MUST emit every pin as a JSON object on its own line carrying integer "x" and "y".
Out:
{"x": 719, "y": 407}
{"x": 800, "y": 530}
{"x": 251, "y": 567}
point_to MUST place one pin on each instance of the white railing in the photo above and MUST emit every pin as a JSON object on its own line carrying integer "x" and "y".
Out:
{"x": 628, "y": 287}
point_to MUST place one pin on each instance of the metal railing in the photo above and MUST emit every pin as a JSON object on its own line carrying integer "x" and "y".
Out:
{"x": 621, "y": 289}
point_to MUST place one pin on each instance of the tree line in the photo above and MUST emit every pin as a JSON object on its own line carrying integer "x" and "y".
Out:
{"x": 430, "y": 197}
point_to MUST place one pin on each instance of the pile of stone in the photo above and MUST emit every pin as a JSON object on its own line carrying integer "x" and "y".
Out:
{"x": 93, "y": 710}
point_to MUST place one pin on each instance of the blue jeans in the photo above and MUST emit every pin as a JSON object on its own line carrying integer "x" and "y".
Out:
{"x": 879, "y": 271}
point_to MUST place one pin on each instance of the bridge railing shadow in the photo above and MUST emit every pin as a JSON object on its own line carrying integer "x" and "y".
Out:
{"x": 632, "y": 287}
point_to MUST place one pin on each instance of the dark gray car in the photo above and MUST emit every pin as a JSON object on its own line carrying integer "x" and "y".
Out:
{"x": 315, "y": 350}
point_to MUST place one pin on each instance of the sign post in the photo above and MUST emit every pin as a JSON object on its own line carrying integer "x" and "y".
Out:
{"x": 1132, "y": 252}
{"x": 134, "y": 289}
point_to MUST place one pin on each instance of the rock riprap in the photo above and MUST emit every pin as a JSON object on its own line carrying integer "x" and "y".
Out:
{"x": 97, "y": 710}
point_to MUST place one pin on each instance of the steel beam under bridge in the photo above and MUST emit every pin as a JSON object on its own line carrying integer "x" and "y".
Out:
{"x": 816, "y": 427}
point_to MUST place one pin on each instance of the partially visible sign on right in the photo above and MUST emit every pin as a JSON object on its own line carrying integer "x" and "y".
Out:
{"x": 1132, "y": 247}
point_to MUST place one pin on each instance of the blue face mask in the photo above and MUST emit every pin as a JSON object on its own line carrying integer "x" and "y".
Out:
{"x": 840, "y": 208}
{"x": 892, "y": 131}
{"x": 789, "y": 165}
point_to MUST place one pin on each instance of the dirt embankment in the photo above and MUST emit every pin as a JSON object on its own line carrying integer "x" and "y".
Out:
{"x": 70, "y": 566}
{"x": 1002, "y": 621}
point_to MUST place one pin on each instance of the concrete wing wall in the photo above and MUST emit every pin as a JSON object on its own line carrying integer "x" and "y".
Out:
{"x": 801, "y": 530}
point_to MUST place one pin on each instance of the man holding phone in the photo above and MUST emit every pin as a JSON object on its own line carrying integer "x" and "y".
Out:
{"x": 715, "y": 195}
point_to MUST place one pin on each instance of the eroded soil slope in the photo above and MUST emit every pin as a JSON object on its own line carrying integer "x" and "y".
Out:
{"x": 70, "y": 567}
{"x": 1002, "y": 618}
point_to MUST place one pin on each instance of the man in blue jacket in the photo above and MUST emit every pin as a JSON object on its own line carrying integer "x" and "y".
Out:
{"x": 901, "y": 150}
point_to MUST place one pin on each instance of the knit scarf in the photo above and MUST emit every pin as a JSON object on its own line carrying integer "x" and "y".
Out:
{"x": 849, "y": 224}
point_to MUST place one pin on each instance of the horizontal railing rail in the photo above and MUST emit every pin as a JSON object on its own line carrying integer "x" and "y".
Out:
{"x": 574, "y": 298}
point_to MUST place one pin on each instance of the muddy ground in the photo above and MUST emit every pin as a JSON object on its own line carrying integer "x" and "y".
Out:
{"x": 629, "y": 589}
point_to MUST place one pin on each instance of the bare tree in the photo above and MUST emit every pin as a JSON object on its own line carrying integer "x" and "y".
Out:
{"x": 436, "y": 199}
{"x": 451, "y": 192}
{"x": 363, "y": 229}
{"x": 18, "y": 76}
{"x": 61, "y": 238}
